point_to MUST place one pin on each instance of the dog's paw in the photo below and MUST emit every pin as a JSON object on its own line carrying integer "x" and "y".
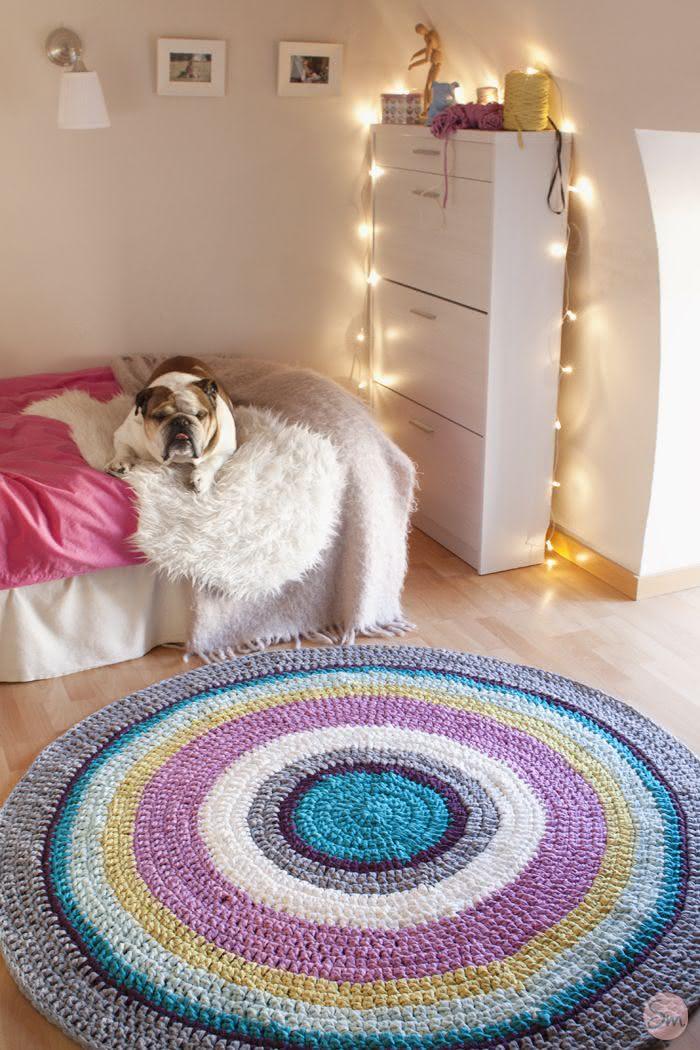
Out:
{"x": 119, "y": 468}
{"x": 200, "y": 482}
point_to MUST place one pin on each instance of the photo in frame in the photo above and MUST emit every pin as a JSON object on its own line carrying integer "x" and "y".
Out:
{"x": 191, "y": 67}
{"x": 309, "y": 70}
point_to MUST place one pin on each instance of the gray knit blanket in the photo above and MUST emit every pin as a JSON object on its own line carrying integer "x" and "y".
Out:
{"x": 355, "y": 589}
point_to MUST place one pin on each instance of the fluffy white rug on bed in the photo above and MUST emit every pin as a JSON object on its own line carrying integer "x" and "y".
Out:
{"x": 267, "y": 520}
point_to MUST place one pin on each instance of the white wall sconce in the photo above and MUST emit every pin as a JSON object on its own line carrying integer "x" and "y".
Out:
{"x": 81, "y": 104}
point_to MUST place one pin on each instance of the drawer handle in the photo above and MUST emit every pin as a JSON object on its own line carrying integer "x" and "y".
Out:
{"x": 421, "y": 426}
{"x": 423, "y": 313}
{"x": 433, "y": 194}
{"x": 428, "y": 152}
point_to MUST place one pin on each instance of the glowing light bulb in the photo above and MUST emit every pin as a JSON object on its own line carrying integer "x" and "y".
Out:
{"x": 558, "y": 249}
{"x": 568, "y": 127}
{"x": 363, "y": 230}
{"x": 360, "y": 337}
{"x": 556, "y": 484}
{"x": 570, "y": 315}
{"x": 366, "y": 116}
{"x": 557, "y": 424}
{"x": 583, "y": 187}
{"x": 567, "y": 369}
{"x": 373, "y": 278}
{"x": 375, "y": 172}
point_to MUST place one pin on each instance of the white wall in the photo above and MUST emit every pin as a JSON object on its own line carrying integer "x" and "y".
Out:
{"x": 192, "y": 225}
{"x": 620, "y": 67}
{"x": 672, "y": 166}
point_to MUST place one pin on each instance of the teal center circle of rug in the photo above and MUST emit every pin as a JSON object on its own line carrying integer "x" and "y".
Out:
{"x": 356, "y": 849}
{"x": 371, "y": 816}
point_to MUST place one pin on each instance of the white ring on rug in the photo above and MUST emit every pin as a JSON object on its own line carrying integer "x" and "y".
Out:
{"x": 224, "y": 827}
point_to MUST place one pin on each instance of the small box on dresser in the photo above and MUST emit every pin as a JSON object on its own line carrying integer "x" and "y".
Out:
{"x": 466, "y": 330}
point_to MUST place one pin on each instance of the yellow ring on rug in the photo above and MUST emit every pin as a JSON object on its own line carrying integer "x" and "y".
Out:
{"x": 161, "y": 924}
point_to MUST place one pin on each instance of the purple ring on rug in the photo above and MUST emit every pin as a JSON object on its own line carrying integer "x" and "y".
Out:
{"x": 202, "y": 898}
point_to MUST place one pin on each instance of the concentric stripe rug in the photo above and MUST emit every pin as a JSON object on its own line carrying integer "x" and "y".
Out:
{"x": 357, "y": 848}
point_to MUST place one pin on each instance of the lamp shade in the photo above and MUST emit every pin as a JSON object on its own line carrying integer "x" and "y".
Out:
{"x": 81, "y": 104}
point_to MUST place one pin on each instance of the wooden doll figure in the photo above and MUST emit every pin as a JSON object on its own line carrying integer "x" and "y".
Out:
{"x": 432, "y": 54}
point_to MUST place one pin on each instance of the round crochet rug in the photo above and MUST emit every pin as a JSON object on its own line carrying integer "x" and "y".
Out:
{"x": 361, "y": 847}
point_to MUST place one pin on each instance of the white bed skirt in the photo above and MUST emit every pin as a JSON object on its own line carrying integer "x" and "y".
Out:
{"x": 56, "y": 628}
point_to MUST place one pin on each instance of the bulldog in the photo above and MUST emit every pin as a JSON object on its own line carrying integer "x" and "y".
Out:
{"x": 183, "y": 415}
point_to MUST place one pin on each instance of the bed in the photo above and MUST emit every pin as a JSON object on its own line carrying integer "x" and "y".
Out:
{"x": 73, "y": 593}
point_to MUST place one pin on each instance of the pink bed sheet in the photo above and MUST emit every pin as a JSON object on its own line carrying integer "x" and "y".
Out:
{"x": 58, "y": 516}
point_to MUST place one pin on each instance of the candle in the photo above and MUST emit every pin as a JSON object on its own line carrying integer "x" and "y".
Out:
{"x": 486, "y": 94}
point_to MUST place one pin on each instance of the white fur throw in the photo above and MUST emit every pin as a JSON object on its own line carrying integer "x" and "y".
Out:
{"x": 356, "y": 587}
{"x": 269, "y": 516}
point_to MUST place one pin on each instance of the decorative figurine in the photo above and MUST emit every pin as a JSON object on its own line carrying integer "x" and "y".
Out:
{"x": 430, "y": 54}
{"x": 443, "y": 98}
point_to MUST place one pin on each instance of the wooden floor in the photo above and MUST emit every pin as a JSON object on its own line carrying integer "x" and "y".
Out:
{"x": 559, "y": 618}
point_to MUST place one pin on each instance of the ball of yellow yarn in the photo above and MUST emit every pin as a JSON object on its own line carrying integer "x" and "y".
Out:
{"x": 526, "y": 101}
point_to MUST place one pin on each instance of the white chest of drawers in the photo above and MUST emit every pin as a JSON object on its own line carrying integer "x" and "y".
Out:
{"x": 466, "y": 330}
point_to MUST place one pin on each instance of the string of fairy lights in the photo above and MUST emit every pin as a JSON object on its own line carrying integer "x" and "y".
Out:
{"x": 582, "y": 188}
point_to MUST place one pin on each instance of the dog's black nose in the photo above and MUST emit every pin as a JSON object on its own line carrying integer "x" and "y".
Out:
{"x": 181, "y": 422}
{"x": 180, "y": 427}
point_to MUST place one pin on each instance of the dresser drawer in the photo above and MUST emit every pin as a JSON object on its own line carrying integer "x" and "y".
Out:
{"x": 449, "y": 460}
{"x": 401, "y": 147}
{"x": 446, "y": 252}
{"x": 432, "y": 351}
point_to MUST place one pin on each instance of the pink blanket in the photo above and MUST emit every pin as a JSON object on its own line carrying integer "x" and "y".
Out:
{"x": 58, "y": 516}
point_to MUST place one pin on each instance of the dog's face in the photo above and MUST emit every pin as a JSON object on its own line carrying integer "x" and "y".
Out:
{"x": 179, "y": 425}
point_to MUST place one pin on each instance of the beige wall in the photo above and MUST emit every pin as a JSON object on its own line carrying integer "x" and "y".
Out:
{"x": 620, "y": 66}
{"x": 229, "y": 224}
{"x": 192, "y": 225}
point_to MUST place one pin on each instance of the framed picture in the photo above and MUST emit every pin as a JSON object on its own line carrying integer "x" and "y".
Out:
{"x": 309, "y": 69}
{"x": 191, "y": 67}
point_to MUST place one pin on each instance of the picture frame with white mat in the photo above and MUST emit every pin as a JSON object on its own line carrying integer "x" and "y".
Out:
{"x": 189, "y": 66}
{"x": 309, "y": 69}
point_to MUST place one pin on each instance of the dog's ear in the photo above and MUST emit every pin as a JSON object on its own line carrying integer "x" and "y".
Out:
{"x": 142, "y": 399}
{"x": 209, "y": 387}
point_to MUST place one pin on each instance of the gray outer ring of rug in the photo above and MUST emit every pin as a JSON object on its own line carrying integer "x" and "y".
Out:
{"x": 482, "y": 823}
{"x": 30, "y": 945}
